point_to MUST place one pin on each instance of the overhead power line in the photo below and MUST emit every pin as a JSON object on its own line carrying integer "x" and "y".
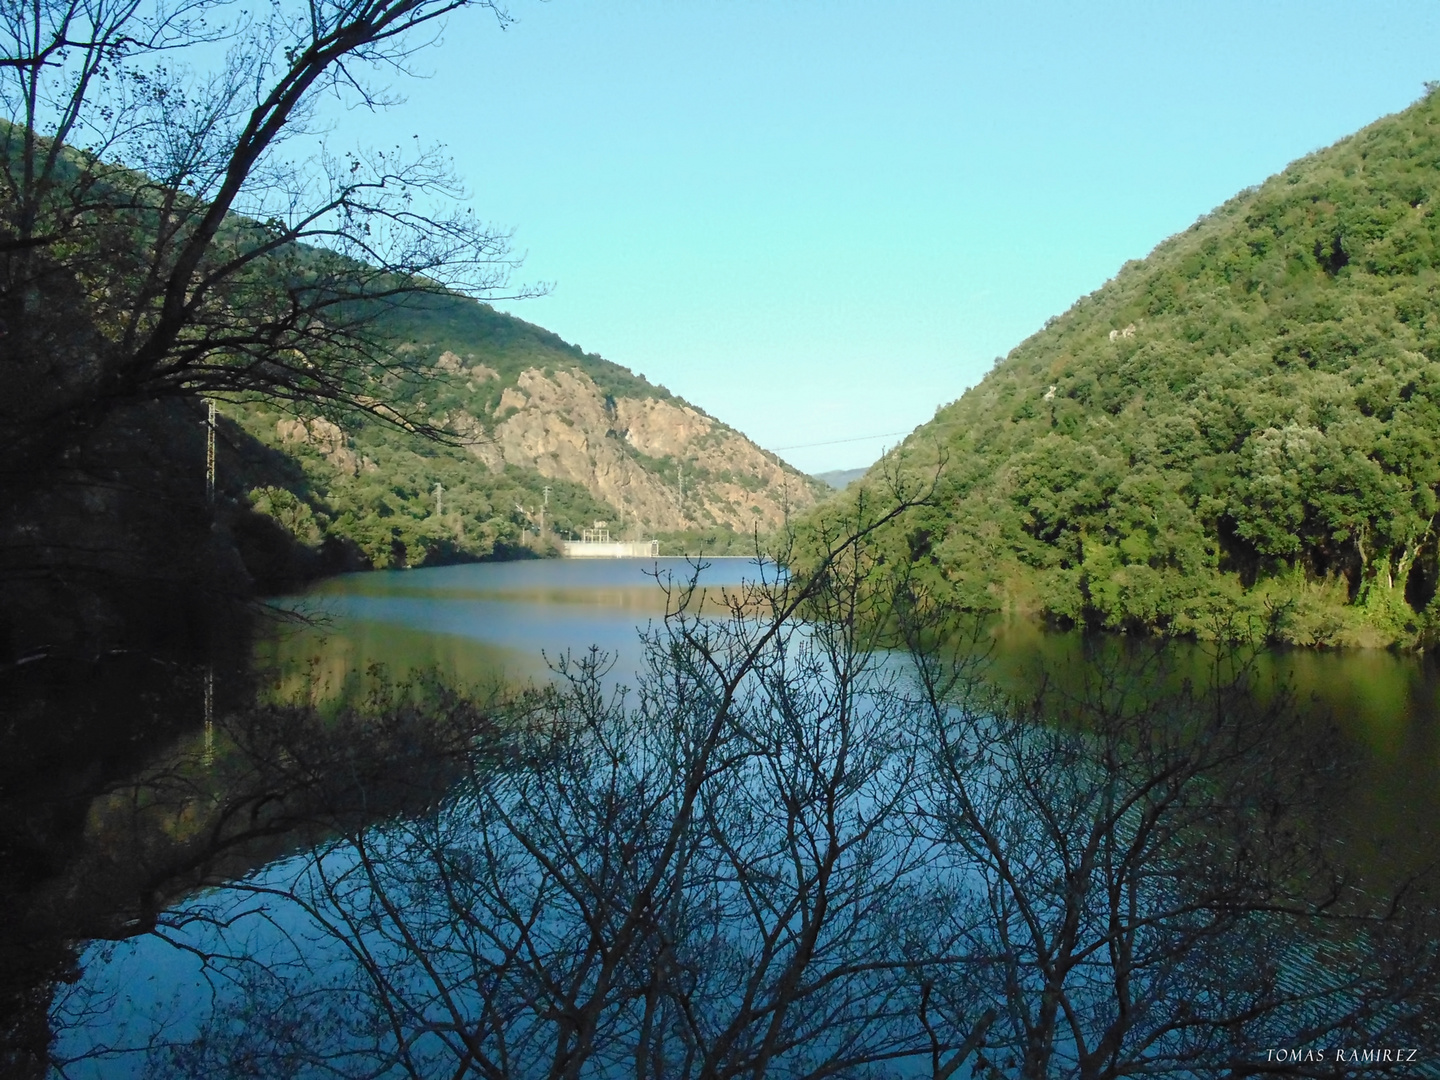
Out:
{"x": 834, "y": 442}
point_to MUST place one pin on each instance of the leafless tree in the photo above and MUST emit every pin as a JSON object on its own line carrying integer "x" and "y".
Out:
{"x": 815, "y": 848}
{"x": 1152, "y": 893}
{"x": 709, "y": 880}
{"x": 173, "y": 221}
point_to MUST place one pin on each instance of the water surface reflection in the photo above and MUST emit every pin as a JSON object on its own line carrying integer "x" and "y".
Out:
{"x": 535, "y": 829}
{"x": 480, "y": 624}
{"x": 503, "y": 622}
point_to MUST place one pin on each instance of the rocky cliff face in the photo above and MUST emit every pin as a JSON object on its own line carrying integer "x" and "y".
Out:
{"x": 548, "y": 438}
{"x": 328, "y": 438}
{"x": 662, "y": 464}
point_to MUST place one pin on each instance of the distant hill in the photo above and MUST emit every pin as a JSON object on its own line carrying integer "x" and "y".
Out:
{"x": 1242, "y": 427}
{"x": 532, "y": 414}
{"x": 840, "y": 479}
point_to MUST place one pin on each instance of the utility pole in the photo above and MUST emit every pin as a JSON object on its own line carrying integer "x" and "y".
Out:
{"x": 207, "y": 755}
{"x": 210, "y": 454}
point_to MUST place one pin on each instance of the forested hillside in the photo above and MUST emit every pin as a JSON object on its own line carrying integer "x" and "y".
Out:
{"x": 1244, "y": 425}
{"x": 527, "y": 413}
{"x": 373, "y": 412}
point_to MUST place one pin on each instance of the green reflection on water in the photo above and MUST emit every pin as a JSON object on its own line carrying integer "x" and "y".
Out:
{"x": 489, "y": 625}
{"x": 328, "y": 665}
{"x": 1378, "y": 711}
{"x": 472, "y": 625}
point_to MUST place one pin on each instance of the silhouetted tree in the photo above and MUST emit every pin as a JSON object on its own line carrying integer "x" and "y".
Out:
{"x": 797, "y": 850}
{"x": 1150, "y": 888}
{"x": 173, "y": 223}
{"x": 167, "y": 230}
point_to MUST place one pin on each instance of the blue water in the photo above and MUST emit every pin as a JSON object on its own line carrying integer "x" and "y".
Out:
{"x": 512, "y": 621}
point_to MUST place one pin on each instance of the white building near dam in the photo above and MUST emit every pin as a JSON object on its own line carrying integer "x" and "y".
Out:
{"x": 595, "y": 543}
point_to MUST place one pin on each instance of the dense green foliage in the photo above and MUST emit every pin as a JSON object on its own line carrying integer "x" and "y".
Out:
{"x": 387, "y": 512}
{"x": 436, "y": 323}
{"x": 366, "y": 495}
{"x": 1246, "y": 424}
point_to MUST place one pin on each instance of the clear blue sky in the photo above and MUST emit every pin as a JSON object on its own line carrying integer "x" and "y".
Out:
{"x": 820, "y": 219}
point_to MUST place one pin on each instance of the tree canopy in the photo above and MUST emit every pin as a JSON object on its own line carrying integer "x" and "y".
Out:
{"x": 1242, "y": 425}
{"x": 171, "y": 226}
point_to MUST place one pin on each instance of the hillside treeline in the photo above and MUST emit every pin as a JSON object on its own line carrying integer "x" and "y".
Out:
{"x": 313, "y": 494}
{"x": 1242, "y": 426}
{"x": 353, "y": 399}
{"x": 359, "y": 491}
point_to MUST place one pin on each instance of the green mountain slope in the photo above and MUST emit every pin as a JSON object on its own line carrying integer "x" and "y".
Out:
{"x": 1245, "y": 424}
{"x": 111, "y": 528}
{"x": 548, "y": 440}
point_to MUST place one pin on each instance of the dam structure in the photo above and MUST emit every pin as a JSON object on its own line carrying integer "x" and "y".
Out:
{"x": 595, "y": 543}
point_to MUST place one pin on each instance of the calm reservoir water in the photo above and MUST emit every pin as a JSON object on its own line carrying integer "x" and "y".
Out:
{"x": 483, "y": 624}
{"x": 474, "y": 625}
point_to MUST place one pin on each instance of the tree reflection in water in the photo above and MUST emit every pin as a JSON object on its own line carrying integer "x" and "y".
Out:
{"x": 808, "y": 843}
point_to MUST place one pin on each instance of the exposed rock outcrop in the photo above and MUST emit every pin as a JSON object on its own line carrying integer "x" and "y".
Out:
{"x": 664, "y": 465}
{"x": 325, "y": 436}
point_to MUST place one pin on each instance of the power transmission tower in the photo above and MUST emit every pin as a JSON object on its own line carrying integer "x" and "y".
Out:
{"x": 210, "y": 454}
{"x": 207, "y": 755}
{"x": 439, "y": 500}
{"x": 543, "y": 507}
